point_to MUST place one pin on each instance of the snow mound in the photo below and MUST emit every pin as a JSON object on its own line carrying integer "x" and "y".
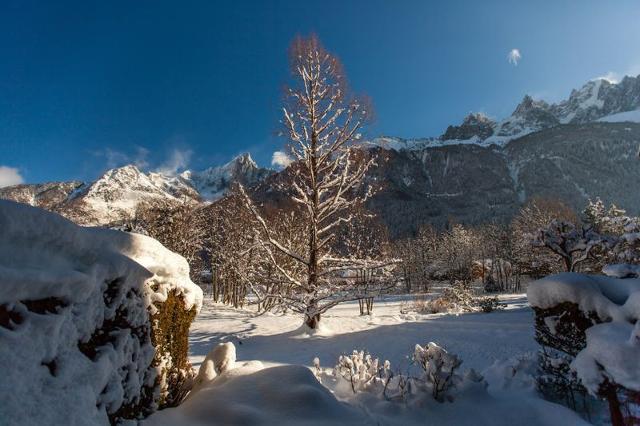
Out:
{"x": 75, "y": 334}
{"x": 220, "y": 359}
{"x": 248, "y": 395}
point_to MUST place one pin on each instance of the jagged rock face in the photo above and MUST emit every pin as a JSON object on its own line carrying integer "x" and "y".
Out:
{"x": 599, "y": 98}
{"x": 473, "y": 125}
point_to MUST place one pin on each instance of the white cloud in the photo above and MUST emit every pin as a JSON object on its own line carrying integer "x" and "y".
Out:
{"x": 177, "y": 161}
{"x": 611, "y": 77}
{"x": 116, "y": 158}
{"x": 280, "y": 160}
{"x": 514, "y": 56}
{"x": 10, "y": 176}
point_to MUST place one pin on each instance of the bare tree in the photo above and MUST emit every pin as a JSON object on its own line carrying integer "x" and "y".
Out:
{"x": 322, "y": 122}
{"x": 573, "y": 244}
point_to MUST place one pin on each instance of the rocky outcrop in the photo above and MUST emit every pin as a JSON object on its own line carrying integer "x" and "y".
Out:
{"x": 474, "y": 125}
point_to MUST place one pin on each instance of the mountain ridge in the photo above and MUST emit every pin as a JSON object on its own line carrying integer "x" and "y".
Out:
{"x": 481, "y": 170}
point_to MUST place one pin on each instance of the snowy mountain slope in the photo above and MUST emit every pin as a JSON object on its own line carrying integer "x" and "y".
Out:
{"x": 627, "y": 116}
{"x": 117, "y": 193}
{"x": 45, "y": 195}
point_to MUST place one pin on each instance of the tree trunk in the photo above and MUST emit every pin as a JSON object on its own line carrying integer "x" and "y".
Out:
{"x": 614, "y": 407}
{"x": 311, "y": 316}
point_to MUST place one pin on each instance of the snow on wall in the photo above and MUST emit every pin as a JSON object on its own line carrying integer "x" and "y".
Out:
{"x": 59, "y": 285}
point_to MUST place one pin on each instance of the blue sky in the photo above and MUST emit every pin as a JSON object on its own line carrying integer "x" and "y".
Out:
{"x": 89, "y": 85}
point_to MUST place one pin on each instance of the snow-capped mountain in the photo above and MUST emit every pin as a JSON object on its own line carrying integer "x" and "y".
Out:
{"x": 213, "y": 182}
{"x": 597, "y": 100}
{"x": 115, "y": 195}
{"x": 580, "y": 148}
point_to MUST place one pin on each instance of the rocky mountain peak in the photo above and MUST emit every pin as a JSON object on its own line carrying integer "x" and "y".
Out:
{"x": 473, "y": 125}
{"x": 528, "y": 105}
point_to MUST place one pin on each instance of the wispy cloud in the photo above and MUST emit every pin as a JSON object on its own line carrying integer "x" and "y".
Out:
{"x": 10, "y": 176}
{"x": 178, "y": 160}
{"x": 115, "y": 158}
{"x": 611, "y": 77}
{"x": 514, "y": 57}
{"x": 280, "y": 160}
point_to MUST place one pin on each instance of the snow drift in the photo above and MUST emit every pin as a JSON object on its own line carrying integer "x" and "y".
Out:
{"x": 75, "y": 308}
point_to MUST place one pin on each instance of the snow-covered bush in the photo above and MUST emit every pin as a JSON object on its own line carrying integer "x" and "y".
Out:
{"x": 489, "y": 304}
{"x": 362, "y": 371}
{"x": 456, "y": 298}
{"x": 77, "y": 339}
{"x": 439, "y": 367}
{"x": 590, "y": 321}
{"x": 438, "y": 376}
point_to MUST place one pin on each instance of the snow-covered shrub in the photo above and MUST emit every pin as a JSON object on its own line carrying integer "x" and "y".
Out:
{"x": 489, "y": 304}
{"x": 456, "y": 298}
{"x": 557, "y": 382}
{"x": 590, "y": 321}
{"x": 439, "y": 377}
{"x": 609, "y": 367}
{"x": 439, "y": 367}
{"x": 361, "y": 370}
{"x": 76, "y": 335}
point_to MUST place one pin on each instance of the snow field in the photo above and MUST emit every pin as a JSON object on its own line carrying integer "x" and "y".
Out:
{"x": 276, "y": 390}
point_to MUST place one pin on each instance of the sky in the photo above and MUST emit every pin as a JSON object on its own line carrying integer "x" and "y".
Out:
{"x": 90, "y": 85}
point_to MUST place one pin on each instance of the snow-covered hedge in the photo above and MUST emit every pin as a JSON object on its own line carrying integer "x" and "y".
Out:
{"x": 594, "y": 321}
{"x": 77, "y": 343}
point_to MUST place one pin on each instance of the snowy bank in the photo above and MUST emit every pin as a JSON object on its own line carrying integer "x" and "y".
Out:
{"x": 247, "y": 393}
{"x": 76, "y": 336}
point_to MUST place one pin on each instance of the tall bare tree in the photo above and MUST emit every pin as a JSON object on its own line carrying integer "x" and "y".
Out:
{"x": 322, "y": 121}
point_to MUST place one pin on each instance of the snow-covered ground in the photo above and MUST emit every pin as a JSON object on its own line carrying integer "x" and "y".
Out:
{"x": 500, "y": 345}
{"x": 479, "y": 339}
